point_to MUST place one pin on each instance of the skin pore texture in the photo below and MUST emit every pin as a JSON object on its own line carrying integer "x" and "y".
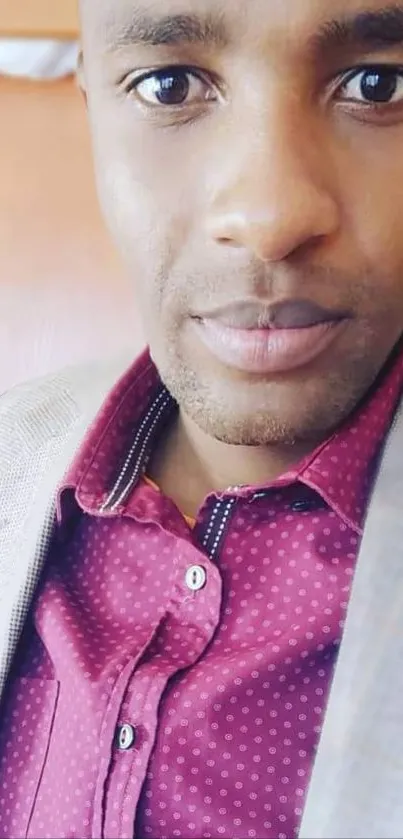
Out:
{"x": 249, "y": 163}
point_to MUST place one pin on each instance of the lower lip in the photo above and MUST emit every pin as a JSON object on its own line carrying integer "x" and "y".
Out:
{"x": 267, "y": 351}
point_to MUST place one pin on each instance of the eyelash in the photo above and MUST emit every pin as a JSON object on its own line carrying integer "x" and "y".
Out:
{"x": 354, "y": 73}
{"x": 176, "y": 69}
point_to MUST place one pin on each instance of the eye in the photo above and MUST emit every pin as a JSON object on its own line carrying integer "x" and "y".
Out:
{"x": 173, "y": 87}
{"x": 374, "y": 86}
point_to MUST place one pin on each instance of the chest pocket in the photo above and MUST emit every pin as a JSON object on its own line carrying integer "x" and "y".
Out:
{"x": 26, "y": 722}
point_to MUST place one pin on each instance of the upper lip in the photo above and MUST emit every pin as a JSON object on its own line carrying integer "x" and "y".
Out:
{"x": 284, "y": 314}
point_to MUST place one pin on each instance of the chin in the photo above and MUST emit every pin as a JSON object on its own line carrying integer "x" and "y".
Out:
{"x": 242, "y": 420}
{"x": 242, "y": 410}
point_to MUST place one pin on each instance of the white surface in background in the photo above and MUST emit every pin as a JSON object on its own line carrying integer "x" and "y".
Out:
{"x": 37, "y": 58}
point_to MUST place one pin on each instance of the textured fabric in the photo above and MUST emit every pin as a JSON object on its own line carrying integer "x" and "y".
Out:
{"x": 345, "y": 766}
{"x": 41, "y": 426}
{"x": 227, "y": 748}
{"x": 236, "y": 734}
{"x": 357, "y": 784}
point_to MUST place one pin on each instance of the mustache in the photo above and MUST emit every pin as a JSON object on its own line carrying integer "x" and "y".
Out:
{"x": 328, "y": 286}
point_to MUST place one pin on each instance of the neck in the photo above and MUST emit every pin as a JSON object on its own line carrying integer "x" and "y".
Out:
{"x": 189, "y": 464}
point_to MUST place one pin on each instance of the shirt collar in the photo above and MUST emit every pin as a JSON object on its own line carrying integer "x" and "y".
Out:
{"x": 343, "y": 468}
{"x": 118, "y": 443}
{"x": 116, "y": 450}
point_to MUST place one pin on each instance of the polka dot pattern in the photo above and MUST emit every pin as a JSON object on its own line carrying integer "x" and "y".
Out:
{"x": 238, "y": 731}
{"x": 27, "y": 718}
{"x": 225, "y": 687}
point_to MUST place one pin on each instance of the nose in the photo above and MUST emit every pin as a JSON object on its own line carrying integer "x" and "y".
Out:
{"x": 271, "y": 198}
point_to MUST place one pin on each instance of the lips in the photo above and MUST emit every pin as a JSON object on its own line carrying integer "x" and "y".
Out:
{"x": 284, "y": 336}
{"x": 287, "y": 314}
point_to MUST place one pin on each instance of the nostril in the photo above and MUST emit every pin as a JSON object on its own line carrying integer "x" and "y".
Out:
{"x": 226, "y": 240}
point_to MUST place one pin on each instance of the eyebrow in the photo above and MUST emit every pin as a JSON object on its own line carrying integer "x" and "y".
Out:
{"x": 169, "y": 30}
{"x": 380, "y": 29}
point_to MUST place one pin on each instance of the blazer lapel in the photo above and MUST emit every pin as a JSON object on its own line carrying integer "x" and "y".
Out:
{"x": 41, "y": 426}
{"x": 357, "y": 784}
{"x": 26, "y": 520}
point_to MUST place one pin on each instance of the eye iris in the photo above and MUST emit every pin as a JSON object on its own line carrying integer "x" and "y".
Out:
{"x": 172, "y": 88}
{"x": 379, "y": 86}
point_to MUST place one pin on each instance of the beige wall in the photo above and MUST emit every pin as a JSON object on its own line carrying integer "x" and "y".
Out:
{"x": 56, "y": 18}
{"x": 64, "y": 296}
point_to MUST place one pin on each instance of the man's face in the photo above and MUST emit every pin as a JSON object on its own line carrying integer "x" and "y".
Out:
{"x": 249, "y": 159}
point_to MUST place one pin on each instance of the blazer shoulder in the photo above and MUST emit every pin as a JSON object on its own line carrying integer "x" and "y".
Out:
{"x": 34, "y": 412}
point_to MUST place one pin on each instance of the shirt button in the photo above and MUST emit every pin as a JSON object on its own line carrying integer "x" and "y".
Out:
{"x": 302, "y": 506}
{"x": 125, "y": 736}
{"x": 195, "y": 577}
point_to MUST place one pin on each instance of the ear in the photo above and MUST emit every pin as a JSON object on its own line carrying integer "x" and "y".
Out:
{"x": 80, "y": 75}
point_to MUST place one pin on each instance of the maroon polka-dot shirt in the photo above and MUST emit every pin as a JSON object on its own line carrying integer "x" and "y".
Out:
{"x": 172, "y": 682}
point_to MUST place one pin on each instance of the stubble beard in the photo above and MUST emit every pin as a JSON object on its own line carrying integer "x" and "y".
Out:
{"x": 268, "y": 413}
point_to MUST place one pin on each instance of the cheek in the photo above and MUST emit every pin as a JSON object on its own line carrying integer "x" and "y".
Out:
{"x": 151, "y": 226}
{"x": 149, "y": 179}
{"x": 373, "y": 201}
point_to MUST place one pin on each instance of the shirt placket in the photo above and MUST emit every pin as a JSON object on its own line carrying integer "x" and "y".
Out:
{"x": 128, "y": 765}
{"x": 189, "y": 623}
{"x": 109, "y": 740}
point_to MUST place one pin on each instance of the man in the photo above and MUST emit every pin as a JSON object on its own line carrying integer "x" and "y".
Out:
{"x": 175, "y": 585}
